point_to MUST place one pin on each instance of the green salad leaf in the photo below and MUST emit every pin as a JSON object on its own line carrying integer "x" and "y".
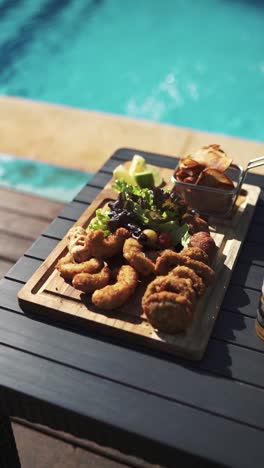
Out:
{"x": 101, "y": 221}
{"x": 139, "y": 208}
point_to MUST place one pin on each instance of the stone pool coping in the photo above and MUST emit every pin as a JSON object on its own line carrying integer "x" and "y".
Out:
{"x": 83, "y": 140}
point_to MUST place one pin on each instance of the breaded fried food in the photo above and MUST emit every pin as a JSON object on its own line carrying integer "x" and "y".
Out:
{"x": 84, "y": 245}
{"x": 170, "y": 283}
{"x": 99, "y": 246}
{"x": 167, "y": 261}
{"x": 195, "y": 222}
{"x": 186, "y": 272}
{"x": 76, "y": 242}
{"x": 204, "y": 271}
{"x": 76, "y": 231}
{"x": 133, "y": 253}
{"x": 89, "y": 282}
{"x": 68, "y": 258}
{"x": 170, "y": 259}
{"x": 69, "y": 269}
{"x": 115, "y": 295}
{"x": 206, "y": 243}
{"x": 196, "y": 254}
{"x": 168, "y": 312}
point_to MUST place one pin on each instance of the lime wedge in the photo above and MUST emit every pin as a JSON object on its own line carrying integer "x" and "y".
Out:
{"x": 137, "y": 164}
{"x": 144, "y": 179}
{"x": 158, "y": 179}
{"x": 120, "y": 172}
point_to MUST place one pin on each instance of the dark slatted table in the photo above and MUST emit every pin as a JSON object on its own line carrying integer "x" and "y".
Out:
{"x": 158, "y": 407}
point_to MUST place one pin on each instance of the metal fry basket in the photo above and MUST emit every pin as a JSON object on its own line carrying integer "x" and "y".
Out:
{"x": 212, "y": 201}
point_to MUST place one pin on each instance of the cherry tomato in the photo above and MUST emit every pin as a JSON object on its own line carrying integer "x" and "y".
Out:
{"x": 165, "y": 240}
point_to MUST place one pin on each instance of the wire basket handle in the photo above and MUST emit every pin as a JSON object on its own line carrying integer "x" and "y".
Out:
{"x": 257, "y": 162}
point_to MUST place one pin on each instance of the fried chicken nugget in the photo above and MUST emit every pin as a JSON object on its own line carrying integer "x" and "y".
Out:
{"x": 185, "y": 272}
{"x": 168, "y": 312}
{"x": 196, "y": 254}
{"x": 115, "y": 295}
{"x": 173, "y": 284}
{"x": 205, "y": 242}
{"x": 88, "y": 282}
{"x": 133, "y": 253}
{"x": 69, "y": 269}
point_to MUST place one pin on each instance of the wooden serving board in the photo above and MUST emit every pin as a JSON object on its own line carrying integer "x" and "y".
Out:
{"x": 47, "y": 293}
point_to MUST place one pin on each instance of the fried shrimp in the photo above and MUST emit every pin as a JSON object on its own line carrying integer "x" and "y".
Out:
{"x": 168, "y": 312}
{"x": 88, "y": 282}
{"x": 195, "y": 253}
{"x": 133, "y": 253}
{"x": 70, "y": 269}
{"x": 115, "y": 295}
{"x": 185, "y": 272}
{"x": 68, "y": 258}
{"x": 173, "y": 284}
{"x": 84, "y": 245}
{"x": 99, "y": 246}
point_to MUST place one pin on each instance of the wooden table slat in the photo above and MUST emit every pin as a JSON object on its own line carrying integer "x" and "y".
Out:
{"x": 58, "y": 228}
{"x": 8, "y": 291}
{"x": 241, "y": 300}
{"x": 126, "y": 154}
{"x": 259, "y": 214}
{"x": 23, "y": 269}
{"x": 238, "y": 329}
{"x": 42, "y": 247}
{"x": 223, "y": 396}
{"x": 218, "y": 441}
{"x": 256, "y": 234}
{"x": 87, "y": 194}
{"x": 100, "y": 180}
{"x": 73, "y": 210}
{"x": 251, "y": 276}
{"x": 252, "y": 253}
{"x": 110, "y": 165}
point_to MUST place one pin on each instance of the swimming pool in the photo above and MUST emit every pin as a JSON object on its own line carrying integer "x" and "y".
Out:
{"x": 194, "y": 63}
{"x": 38, "y": 178}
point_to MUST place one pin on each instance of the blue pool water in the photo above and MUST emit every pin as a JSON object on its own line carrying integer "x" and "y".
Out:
{"x": 196, "y": 63}
{"x": 46, "y": 180}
